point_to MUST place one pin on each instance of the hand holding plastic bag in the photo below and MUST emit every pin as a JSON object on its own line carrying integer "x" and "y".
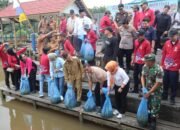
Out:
{"x": 142, "y": 113}
{"x": 90, "y": 104}
{"x": 70, "y": 98}
{"x": 24, "y": 86}
{"x": 106, "y": 111}
{"x": 54, "y": 92}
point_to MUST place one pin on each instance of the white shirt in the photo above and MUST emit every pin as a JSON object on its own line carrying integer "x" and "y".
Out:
{"x": 120, "y": 77}
{"x": 72, "y": 24}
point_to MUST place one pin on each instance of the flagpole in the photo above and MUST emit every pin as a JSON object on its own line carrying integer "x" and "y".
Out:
{"x": 26, "y": 17}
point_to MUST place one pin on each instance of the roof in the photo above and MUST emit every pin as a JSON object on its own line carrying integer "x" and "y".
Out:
{"x": 41, "y": 7}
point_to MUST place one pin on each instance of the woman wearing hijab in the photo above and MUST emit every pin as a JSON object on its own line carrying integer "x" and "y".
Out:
{"x": 118, "y": 80}
{"x": 14, "y": 62}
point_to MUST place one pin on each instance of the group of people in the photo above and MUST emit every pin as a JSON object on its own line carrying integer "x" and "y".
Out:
{"x": 137, "y": 38}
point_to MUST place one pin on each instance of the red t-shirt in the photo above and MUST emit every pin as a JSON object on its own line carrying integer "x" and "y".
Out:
{"x": 170, "y": 56}
{"x": 62, "y": 27}
{"x": 137, "y": 20}
{"x": 104, "y": 23}
{"x": 140, "y": 50}
{"x": 44, "y": 64}
{"x": 68, "y": 47}
{"x": 92, "y": 37}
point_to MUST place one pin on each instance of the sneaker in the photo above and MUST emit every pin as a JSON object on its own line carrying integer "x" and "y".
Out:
{"x": 61, "y": 97}
{"x": 115, "y": 112}
{"x": 119, "y": 116}
{"x": 41, "y": 96}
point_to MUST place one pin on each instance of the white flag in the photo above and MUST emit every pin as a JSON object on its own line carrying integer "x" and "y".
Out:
{"x": 15, "y": 4}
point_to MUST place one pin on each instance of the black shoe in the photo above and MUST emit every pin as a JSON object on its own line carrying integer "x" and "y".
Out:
{"x": 78, "y": 104}
{"x": 165, "y": 98}
{"x": 153, "y": 123}
{"x": 172, "y": 101}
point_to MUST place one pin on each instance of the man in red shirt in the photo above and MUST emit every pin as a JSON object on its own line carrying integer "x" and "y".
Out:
{"x": 63, "y": 23}
{"x": 137, "y": 17}
{"x": 67, "y": 45}
{"x": 44, "y": 71}
{"x": 5, "y": 65}
{"x": 171, "y": 65}
{"x": 105, "y": 21}
{"x": 147, "y": 13}
{"x": 141, "y": 48}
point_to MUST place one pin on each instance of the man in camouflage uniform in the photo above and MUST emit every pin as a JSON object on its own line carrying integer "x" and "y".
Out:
{"x": 152, "y": 78}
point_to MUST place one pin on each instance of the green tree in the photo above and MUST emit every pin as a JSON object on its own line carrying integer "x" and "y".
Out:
{"x": 3, "y": 3}
{"x": 98, "y": 10}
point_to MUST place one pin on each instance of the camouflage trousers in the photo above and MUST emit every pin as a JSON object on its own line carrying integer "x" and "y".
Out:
{"x": 154, "y": 104}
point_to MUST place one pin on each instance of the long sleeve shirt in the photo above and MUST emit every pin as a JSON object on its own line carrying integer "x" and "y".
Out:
{"x": 140, "y": 50}
{"x": 12, "y": 60}
{"x": 162, "y": 22}
{"x": 57, "y": 65}
{"x": 104, "y": 23}
{"x": 137, "y": 20}
{"x": 149, "y": 13}
{"x": 170, "y": 56}
{"x": 92, "y": 37}
{"x": 4, "y": 57}
{"x": 27, "y": 65}
{"x": 68, "y": 47}
{"x": 111, "y": 48}
{"x": 120, "y": 77}
{"x": 73, "y": 70}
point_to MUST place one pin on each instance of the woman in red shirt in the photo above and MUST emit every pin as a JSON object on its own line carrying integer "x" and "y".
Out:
{"x": 29, "y": 68}
{"x": 14, "y": 63}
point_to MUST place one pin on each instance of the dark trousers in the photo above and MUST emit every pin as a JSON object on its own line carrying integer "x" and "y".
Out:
{"x": 6, "y": 74}
{"x": 93, "y": 62}
{"x": 127, "y": 54}
{"x": 170, "y": 80}
{"x": 77, "y": 43}
{"x": 32, "y": 80}
{"x": 100, "y": 98}
{"x": 158, "y": 41}
{"x": 137, "y": 75}
{"x": 120, "y": 98}
{"x": 16, "y": 78}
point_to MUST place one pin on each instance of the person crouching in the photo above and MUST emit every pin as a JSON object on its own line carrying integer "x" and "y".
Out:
{"x": 118, "y": 80}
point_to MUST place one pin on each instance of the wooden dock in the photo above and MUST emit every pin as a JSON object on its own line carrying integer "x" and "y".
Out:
{"x": 126, "y": 123}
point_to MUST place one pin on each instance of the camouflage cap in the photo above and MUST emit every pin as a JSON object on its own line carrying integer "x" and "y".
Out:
{"x": 150, "y": 57}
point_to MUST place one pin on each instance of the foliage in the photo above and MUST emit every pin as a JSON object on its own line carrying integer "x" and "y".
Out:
{"x": 3, "y": 3}
{"x": 98, "y": 10}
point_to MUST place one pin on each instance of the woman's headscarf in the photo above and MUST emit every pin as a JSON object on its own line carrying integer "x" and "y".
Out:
{"x": 111, "y": 66}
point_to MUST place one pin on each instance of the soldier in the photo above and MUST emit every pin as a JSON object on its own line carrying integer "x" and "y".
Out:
{"x": 152, "y": 79}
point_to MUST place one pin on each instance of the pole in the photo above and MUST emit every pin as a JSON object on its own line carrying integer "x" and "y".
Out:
{"x": 121, "y": 2}
{"x": 14, "y": 32}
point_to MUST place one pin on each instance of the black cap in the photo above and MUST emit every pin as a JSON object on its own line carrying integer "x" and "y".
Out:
{"x": 109, "y": 29}
{"x": 141, "y": 32}
{"x": 121, "y": 6}
{"x": 71, "y": 11}
{"x": 173, "y": 32}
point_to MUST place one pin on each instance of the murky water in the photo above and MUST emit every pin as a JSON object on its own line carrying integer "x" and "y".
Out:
{"x": 16, "y": 115}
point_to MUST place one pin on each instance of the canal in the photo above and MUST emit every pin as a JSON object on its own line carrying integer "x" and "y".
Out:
{"x": 16, "y": 115}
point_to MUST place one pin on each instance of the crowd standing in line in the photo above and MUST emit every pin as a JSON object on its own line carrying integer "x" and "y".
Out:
{"x": 136, "y": 38}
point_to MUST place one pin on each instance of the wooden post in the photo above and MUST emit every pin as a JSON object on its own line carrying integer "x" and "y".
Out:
{"x": 14, "y": 32}
{"x": 2, "y": 31}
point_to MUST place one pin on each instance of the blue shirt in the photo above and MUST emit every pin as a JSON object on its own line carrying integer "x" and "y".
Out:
{"x": 57, "y": 65}
{"x": 150, "y": 34}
